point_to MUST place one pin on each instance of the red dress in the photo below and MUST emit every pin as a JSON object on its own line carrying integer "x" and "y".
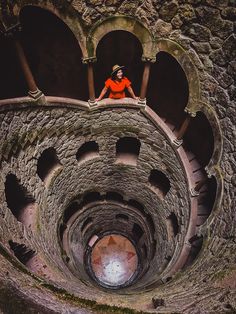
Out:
{"x": 117, "y": 89}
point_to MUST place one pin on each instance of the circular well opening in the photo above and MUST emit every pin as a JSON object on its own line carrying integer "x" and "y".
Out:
{"x": 114, "y": 261}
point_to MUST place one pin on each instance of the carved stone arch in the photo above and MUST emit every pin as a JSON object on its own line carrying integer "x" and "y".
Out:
{"x": 121, "y": 23}
{"x": 189, "y": 68}
{"x": 13, "y": 12}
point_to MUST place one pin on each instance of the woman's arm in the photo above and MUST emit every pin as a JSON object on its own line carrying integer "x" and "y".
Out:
{"x": 103, "y": 92}
{"x": 130, "y": 90}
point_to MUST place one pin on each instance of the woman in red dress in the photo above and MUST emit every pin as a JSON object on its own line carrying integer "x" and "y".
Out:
{"x": 117, "y": 85}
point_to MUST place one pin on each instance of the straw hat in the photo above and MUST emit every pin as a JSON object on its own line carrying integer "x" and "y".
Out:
{"x": 116, "y": 68}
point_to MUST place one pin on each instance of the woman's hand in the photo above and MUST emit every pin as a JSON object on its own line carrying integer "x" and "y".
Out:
{"x": 103, "y": 92}
{"x": 130, "y": 90}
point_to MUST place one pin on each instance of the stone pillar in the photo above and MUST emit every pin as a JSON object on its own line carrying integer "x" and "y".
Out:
{"x": 34, "y": 92}
{"x": 89, "y": 62}
{"x": 179, "y": 138}
{"x": 195, "y": 191}
{"x": 145, "y": 79}
{"x": 13, "y": 33}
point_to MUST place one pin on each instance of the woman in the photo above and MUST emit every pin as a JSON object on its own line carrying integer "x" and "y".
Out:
{"x": 117, "y": 85}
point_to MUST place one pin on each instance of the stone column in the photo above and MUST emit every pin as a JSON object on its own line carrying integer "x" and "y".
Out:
{"x": 179, "y": 138}
{"x": 89, "y": 62}
{"x": 145, "y": 79}
{"x": 195, "y": 191}
{"x": 34, "y": 92}
{"x": 14, "y": 34}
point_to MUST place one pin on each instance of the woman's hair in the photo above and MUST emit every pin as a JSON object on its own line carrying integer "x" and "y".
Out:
{"x": 113, "y": 76}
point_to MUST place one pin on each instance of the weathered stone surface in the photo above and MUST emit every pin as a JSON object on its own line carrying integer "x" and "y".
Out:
{"x": 197, "y": 32}
{"x": 205, "y": 30}
{"x": 229, "y": 47}
{"x": 211, "y": 18}
{"x": 168, "y": 10}
{"x": 229, "y": 13}
{"x": 162, "y": 28}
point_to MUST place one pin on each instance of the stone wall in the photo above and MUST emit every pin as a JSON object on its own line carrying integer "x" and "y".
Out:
{"x": 205, "y": 29}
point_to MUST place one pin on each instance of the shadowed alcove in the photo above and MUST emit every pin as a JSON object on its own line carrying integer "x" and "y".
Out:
{"x": 123, "y": 48}
{"x": 199, "y": 138}
{"x": 19, "y": 200}
{"x": 11, "y": 77}
{"x": 168, "y": 91}
{"x": 53, "y": 53}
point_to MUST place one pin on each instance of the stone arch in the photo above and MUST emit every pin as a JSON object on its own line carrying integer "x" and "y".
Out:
{"x": 13, "y": 12}
{"x": 189, "y": 68}
{"x": 168, "y": 89}
{"x": 121, "y": 23}
{"x": 52, "y": 52}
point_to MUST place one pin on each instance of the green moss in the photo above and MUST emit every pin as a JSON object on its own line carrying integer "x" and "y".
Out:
{"x": 220, "y": 275}
{"x": 93, "y": 305}
{"x": 64, "y": 295}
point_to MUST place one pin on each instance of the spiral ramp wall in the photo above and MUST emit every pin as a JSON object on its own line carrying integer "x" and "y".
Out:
{"x": 73, "y": 174}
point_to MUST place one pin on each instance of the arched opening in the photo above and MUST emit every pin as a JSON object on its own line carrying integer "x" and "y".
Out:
{"x": 53, "y": 53}
{"x": 206, "y": 200}
{"x": 87, "y": 151}
{"x": 137, "y": 205}
{"x": 123, "y": 48}
{"x": 19, "y": 201}
{"x": 122, "y": 217}
{"x": 168, "y": 91}
{"x": 199, "y": 139}
{"x": 11, "y": 76}
{"x": 114, "y": 196}
{"x": 48, "y": 162}
{"x": 172, "y": 226}
{"x": 196, "y": 246}
{"x": 137, "y": 232}
{"x": 69, "y": 212}
{"x": 21, "y": 252}
{"x": 159, "y": 183}
{"x": 127, "y": 150}
{"x": 86, "y": 224}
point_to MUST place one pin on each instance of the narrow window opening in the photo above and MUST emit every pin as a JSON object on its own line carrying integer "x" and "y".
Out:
{"x": 206, "y": 200}
{"x": 153, "y": 251}
{"x": 159, "y": 182}
{"x": 47, "y": 164}
{"x": 138, "y": 206}
{"x": 122, "y": 217}
{"x": 172, "y": 226}
{"x": 144, "y": 250}
{"x": 137, "y": 232}
{"x": 87, "y": 151}
{"x": 91, "y": 197}
{"x": 196, "y": 245}
{"x": 70, "y": 211}
{"x": 150, "y": 224}
{"x": 127, "y": 150}
{"x": 21, "y": 252}
{"x": 19, "y": 201}
{"x": 62, "y": 228}
{"x": 114, "y": 196}
{"x": 87, "y": 222}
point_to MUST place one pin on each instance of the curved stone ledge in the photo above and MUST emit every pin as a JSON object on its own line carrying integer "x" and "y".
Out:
{"x": 104, "y": 123}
